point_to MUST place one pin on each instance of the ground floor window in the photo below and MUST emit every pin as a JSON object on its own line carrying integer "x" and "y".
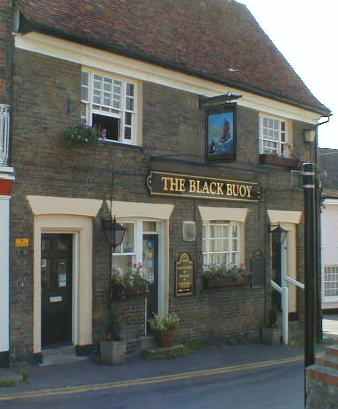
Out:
{"x": 221, "y": 244}
{"x": 331, "y": 281}
{"x": 140, "y": 253}
{"x": 139, "y": 249}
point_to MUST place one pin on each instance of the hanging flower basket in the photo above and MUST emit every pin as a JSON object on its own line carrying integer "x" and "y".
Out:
{"x": 80, "y": 135}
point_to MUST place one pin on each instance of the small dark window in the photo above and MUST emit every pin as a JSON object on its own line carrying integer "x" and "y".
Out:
{"x": 108, "y": 127}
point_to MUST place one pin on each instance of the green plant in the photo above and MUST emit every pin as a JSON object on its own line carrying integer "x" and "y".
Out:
{"x": 221, "y": 272}
{"x": 6, "y": 383}
{"x": 81, "y": 135}
{"x": 165, "y": 324}
{"x": 113, "y": 325}
{"x": 24, "y": 375}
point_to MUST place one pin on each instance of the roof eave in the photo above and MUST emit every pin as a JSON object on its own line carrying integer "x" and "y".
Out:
{"x": 27, "y": 26}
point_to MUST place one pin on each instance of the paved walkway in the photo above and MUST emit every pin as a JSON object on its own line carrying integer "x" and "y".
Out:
{"x": 208, "y": 361}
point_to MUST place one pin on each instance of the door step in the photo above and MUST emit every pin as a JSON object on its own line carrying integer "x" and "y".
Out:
{"x": 60, "y": 356}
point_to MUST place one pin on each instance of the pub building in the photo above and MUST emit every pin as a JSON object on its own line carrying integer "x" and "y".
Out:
{"x": 200, "y": 124}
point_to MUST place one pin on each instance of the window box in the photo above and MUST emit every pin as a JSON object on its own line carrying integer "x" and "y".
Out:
{"x": 275, "y": 160}
{"x": 120, "y": 292}
{"x": 209, "y": 283}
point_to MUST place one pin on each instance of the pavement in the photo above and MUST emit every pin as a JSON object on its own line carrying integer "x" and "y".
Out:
{"x": 88, "y": 376}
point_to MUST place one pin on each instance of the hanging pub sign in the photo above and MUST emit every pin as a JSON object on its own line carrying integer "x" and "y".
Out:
{"x": 175, "y": 184}
{"x": 184, "y": 275}
{"x": 221, "y": 134}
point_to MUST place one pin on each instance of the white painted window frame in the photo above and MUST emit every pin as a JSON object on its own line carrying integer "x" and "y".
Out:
{"x": 88, "y": 117}
{"x": 138, "y": 238}
{"x": 280, "y": 143}
{"x": 4, "y": 133}
{"x": 206, "y": 253}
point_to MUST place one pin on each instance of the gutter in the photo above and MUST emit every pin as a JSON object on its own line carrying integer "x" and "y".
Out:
{"x": 25, "y": 26}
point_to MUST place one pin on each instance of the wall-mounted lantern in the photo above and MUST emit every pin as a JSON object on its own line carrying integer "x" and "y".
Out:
{"x": 113, "y": 231}
{"x": 310, "y": 135}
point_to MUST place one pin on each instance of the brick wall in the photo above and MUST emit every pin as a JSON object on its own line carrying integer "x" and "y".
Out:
{"x": 46, "y": 100}
{"x": 322, "y": 381}
{"x": 5, "y": 50}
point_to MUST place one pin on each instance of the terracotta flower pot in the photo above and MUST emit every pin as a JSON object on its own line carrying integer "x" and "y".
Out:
{"x": 166, "y": 339}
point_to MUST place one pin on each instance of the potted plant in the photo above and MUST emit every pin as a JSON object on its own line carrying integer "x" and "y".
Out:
{"x": 129, "y": 284}
{"x": 222, "y": 276}
{"x": 164, "y": 329}
{"x": 271, "y": 334}
{"x": 113, "y": 349}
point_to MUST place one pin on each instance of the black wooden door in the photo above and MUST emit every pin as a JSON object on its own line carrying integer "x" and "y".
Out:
{"x": 56, "y": 287}
{"x": 150, "y": 265}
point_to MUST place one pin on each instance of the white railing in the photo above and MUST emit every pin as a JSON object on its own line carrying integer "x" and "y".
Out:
{"x": 4, "y": 134}
{"x": 284, "y": 291}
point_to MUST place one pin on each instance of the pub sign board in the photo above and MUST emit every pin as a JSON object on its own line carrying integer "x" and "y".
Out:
{"x": 175, "y": 184}
{"x": 184, "y": 275}
{"x": 221, "y": 134}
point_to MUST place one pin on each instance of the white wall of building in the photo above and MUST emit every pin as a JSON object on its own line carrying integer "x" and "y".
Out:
{"x": 329, "y": 219}
{"x": 4, "y": 273}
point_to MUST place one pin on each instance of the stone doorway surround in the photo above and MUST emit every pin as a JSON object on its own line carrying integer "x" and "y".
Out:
{"x": 72, "y": 216}
{"x": 288, "y": 220}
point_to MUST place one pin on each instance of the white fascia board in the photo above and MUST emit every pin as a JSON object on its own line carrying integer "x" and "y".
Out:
{"x": 328, "y": 202}
{"x": 7, "y": 173}
{"x": 132, "y": 68}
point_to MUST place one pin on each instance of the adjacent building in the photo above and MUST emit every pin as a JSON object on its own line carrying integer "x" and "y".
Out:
{"x": 201, "y": 137}
{"x": 6, "y": 177}
{"x": 329, "y": 232}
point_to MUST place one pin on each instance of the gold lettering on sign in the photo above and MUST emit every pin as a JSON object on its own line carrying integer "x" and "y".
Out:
{"x": 249, "y": 189}
{"x": 165, "y": 179}
{"x": 205, "y": 187}
{"x": 176, "y": 185}
{"x": 192, "y": 186}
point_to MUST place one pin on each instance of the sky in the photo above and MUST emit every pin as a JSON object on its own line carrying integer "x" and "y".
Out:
{"x": 306, "y": 31}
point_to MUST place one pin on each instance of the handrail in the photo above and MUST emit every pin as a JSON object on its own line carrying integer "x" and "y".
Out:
{"x": 295, "y": 282}
{"x": 276, "y": 286}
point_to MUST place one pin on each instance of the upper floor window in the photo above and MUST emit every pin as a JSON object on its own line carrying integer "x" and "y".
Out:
{"x": 110, "y": 105}
{"x": 273, "y": 135}
{"x": 221, "y": 244}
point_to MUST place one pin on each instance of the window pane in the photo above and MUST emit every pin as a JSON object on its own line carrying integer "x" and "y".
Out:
{"x": 127, "y": 133}
{"x": 130, "y": 90}
{"x": 84, "y": 93}
{"x": 128, "y": 118}
{"x": 130, "y": 104}
{"x": 122, "y": 264}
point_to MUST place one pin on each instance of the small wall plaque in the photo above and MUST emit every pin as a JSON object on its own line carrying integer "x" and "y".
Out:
{"x": 184, "y": 275}
{"x": 21, "y": 243}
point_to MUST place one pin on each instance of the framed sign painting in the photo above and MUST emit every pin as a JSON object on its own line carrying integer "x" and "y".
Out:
{"x": 222, "y": 134}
